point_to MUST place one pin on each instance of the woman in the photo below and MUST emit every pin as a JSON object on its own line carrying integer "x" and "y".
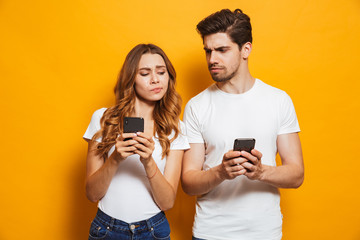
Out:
{"x": 136, "y": 180}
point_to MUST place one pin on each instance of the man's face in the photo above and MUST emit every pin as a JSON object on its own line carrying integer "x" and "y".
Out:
{"x": 222, "y": 56}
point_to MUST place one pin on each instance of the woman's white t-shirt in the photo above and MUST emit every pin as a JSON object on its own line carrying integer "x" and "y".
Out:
{"x": 129, "y": 197}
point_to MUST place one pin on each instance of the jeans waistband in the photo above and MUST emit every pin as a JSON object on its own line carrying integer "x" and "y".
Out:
{"x": 143, "y": 225}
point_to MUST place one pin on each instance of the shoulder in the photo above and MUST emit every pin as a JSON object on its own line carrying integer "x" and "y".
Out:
{"x": 99, "y": 112}
{"x": 273, "y": 92}
{"x": 203, "y": 97}
{"x": 96, "y": 117}
{"x": 94, "y": 125}
{"x": 268, "y": 88}
{"x": 181, "y": 142}
{"x": 182, "y": 130}
{"x": 182, "y": 127}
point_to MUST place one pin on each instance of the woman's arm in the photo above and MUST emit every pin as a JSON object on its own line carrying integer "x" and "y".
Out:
{"x": 99, "y": 173}
{"x": 163, "y": 187}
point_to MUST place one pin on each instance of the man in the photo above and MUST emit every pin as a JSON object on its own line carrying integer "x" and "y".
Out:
{"x": 238, "y": 195}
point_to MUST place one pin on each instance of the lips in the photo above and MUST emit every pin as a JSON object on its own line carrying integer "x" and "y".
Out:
{"x": 156, "y": 90}
{"x": 215, "y": 70}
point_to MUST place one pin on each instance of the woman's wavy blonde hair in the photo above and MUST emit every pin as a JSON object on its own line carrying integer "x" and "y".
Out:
{"x": 166, "y": 112}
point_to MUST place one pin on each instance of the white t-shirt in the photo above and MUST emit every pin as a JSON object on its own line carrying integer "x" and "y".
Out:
{"x": 129, "y": 197}
{"x": 239, "y": 208}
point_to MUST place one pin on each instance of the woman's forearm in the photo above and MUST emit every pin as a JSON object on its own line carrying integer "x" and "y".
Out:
{"x": 98, "y": 183}
{"x": 164, "y": 194}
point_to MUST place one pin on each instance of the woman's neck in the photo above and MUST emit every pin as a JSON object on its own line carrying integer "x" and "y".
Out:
{"x": 143, "y": 109}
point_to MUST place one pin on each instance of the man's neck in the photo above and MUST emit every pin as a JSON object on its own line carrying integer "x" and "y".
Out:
{"x": 240, "y": 83}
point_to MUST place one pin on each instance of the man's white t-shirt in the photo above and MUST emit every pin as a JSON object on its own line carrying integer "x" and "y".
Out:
{"x": 129, "y": 197}
{"x": 239, "y": 208}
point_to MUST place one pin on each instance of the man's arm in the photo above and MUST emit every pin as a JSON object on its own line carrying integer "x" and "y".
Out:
{"x": 290, "y": 174}
{"x": 196, "y": 181}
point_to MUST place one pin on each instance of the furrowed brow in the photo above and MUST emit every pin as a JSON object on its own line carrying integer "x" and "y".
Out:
{"x": 145, "y": 68}
{"x": 160, "y": 66}
{"x": 149, "y": 69}
{"x": 222, "y": 48}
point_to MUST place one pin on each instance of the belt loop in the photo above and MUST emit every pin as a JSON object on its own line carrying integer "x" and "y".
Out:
{"x": 112, "y": 221}
{"x": 149, "y": 224}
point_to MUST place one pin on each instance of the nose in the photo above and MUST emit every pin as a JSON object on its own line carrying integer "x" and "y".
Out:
{"x": 212, "y": 58}
{"x": 154, "y": 78}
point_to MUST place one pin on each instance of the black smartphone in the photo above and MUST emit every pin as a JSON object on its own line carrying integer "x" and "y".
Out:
{"x": 244, "y": 144}
{"x": 133, "y": 125}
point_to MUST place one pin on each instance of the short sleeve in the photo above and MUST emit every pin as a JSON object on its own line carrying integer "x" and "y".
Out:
{"x": 288, "y": 119}
{"x": 192, "y": 124}
{"x": 94, "y": 125}
{"x": 181, "y": 142}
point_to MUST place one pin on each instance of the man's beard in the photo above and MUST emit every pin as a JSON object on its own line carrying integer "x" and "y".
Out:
{"x": 221, "y": 78}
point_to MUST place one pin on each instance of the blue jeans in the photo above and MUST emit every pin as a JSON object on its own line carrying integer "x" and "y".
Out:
{"x": 108, "y": 228}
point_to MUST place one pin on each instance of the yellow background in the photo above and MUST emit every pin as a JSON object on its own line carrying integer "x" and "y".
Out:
{"x": 59, "y": 61}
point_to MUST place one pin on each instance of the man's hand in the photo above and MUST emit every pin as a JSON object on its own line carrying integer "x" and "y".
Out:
{"x": 231, "y": 165}
{"x": 254, "y": 168}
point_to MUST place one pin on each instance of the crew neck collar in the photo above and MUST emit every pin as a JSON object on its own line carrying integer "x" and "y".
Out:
{"x": 254, "y": 86}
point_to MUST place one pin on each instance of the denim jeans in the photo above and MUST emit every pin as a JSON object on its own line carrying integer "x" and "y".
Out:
{"x": 108, "y": 228}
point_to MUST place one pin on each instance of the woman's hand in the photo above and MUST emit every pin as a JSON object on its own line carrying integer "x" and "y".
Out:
{"x": 123, "y": 149}
{"x": 144, "y": 147}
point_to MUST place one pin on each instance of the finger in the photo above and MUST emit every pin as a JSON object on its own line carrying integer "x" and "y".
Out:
{"x": 126, "y": 136}
{"x": 143, "y": 135}
{"x": 141, "y": 140}
{"x": 237, "y": 173}
{"x": 256, "y": 153}
{"x": 242, "y": 172}
{"x": 142, "y": 155}
{"x": 239, "y": 160}
{"x": 250, "y": 157}
{"x": 120, "y": 144}
{"x": 127, "y": 149}
{"x": 235, "y": 161}
{"x": 145, "y": 142}
{"x": 231, "y": 154}
{"x": 237, "y": 168}
{"x": 249, "y": 166}
{"x": 141, "y": 147}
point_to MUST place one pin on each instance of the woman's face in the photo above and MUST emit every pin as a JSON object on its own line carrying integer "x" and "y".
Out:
{"x": 152, "y": 78}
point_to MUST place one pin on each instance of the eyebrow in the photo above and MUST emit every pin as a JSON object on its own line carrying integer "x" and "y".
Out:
{"x": 218, "y": 48}
{"x": 157, "y": 67}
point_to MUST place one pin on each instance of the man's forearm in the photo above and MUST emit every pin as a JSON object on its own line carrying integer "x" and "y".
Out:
{"x": 285, "y": 176}
{"x": 195, "y": 182}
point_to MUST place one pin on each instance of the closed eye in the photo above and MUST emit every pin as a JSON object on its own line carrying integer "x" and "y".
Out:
{"x": 222, "y": 49}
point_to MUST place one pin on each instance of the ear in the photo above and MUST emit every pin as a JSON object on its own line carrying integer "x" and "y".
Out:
{"x": 246, "y": 50}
